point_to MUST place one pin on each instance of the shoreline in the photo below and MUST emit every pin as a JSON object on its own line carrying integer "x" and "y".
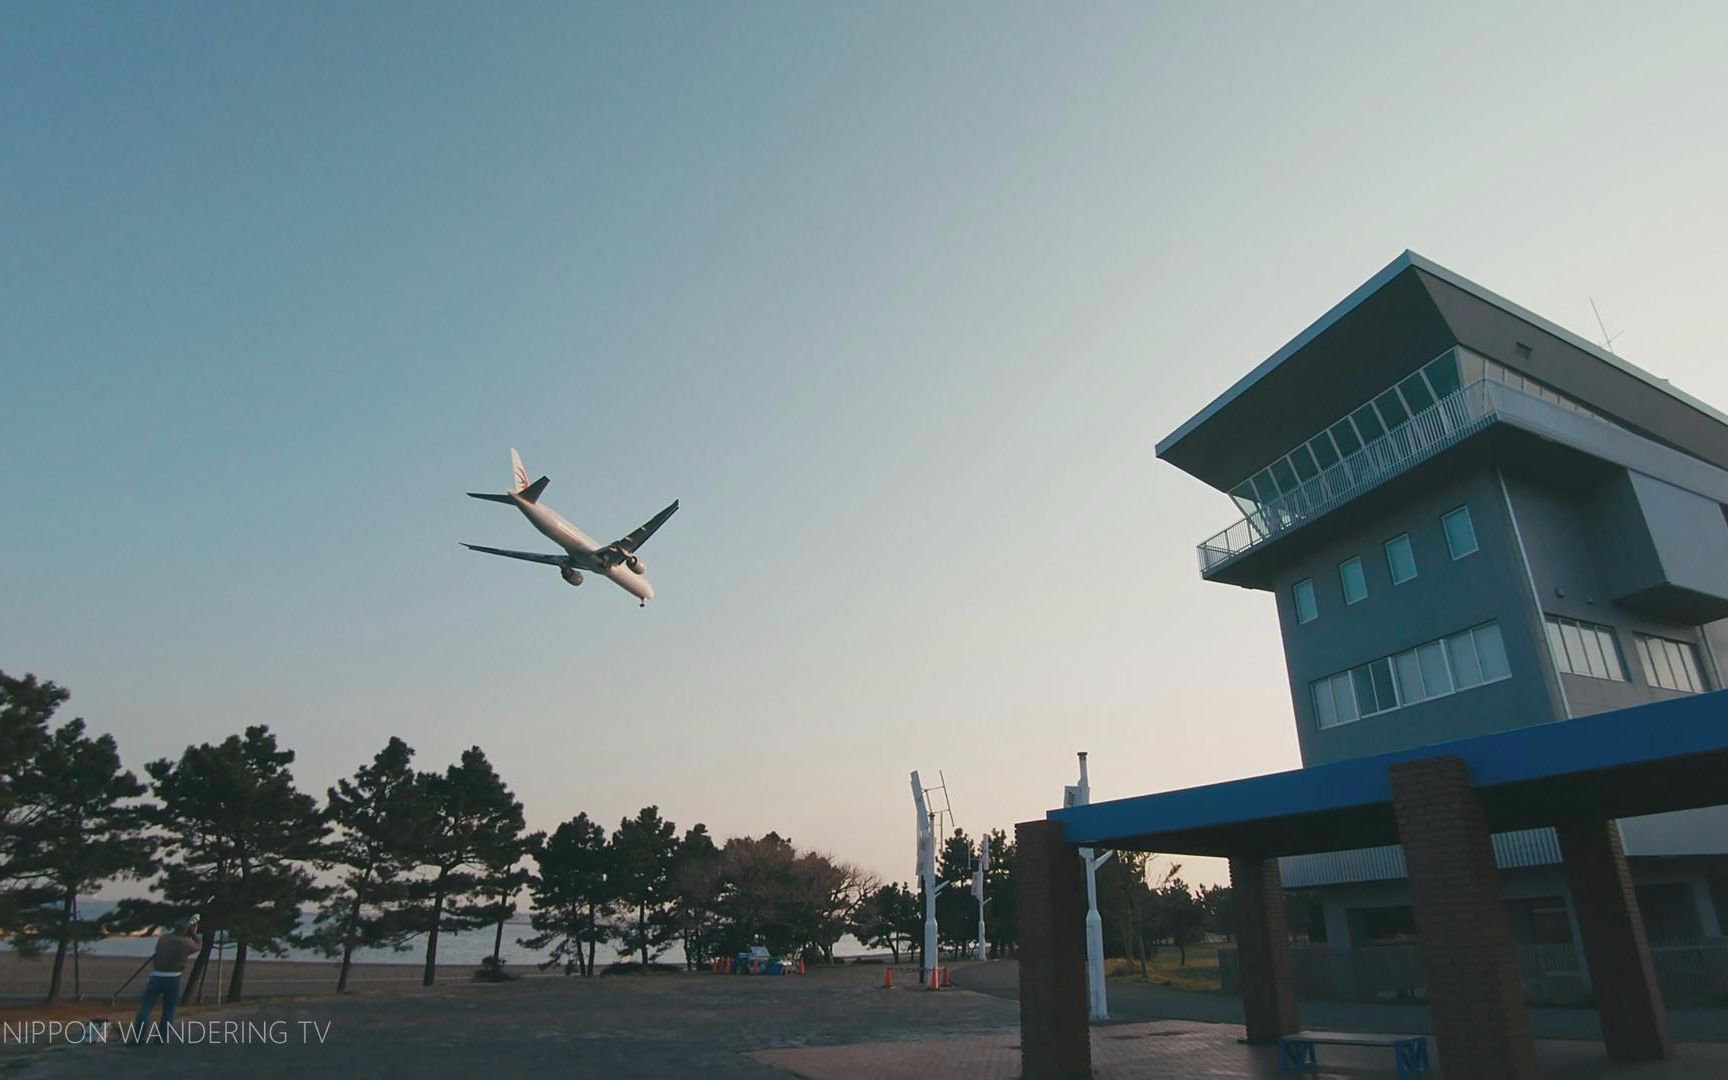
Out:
{"x": 26, "y": 980}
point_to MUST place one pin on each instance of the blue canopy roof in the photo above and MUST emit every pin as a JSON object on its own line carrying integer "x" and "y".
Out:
{"x": 1671, "y": 755}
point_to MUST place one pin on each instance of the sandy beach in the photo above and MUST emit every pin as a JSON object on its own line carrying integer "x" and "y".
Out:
{"x": 24, "y": 981}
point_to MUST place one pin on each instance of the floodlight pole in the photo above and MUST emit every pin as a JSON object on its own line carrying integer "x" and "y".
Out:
{"x": 978, "y": 892}
{"x": 927, "y": 875}
{"x": 1097, "y": 998}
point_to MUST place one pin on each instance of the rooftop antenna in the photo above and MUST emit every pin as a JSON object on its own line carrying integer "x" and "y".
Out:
{"x": 1607, "y": 338}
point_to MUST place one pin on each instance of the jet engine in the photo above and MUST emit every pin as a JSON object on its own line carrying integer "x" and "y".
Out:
{"x": 571, "y": 575}
{"x": 636, "y": 565}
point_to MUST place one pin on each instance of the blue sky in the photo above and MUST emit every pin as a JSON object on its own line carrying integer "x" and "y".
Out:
{"x": 896, "y": 298}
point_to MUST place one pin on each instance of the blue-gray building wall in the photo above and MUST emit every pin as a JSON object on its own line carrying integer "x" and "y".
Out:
{"x": 1445, "y": 597}
{"x": 1572, "y": 560}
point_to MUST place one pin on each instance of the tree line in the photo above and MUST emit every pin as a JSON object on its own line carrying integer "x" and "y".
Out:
{"x": 392, "y": 853}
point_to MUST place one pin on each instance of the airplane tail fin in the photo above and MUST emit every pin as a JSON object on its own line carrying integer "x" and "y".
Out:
{"x": 518, "y": 475}
{"x": 519, "y": 485}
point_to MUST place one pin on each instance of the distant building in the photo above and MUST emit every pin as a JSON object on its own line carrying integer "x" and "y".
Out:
{"x": 1474, "y": 520}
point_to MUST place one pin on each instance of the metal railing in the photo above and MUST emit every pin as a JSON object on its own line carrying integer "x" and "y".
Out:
{"x": 1453, "y": 418}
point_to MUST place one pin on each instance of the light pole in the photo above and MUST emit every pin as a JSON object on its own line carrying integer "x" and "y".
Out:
{"x": 927, "y": 875}
{"x": 978, "y": 892}
{"x": 1097, "y": 998}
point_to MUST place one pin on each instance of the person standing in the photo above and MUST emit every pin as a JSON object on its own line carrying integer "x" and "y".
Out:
{"x": 166, "y": 966}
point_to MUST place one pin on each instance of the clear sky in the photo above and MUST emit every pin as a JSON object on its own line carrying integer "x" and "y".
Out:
{"x": 896, "y": 298}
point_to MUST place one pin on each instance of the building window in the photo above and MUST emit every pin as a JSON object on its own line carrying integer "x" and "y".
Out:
{"x": 1587, "y": 649}
{"x": 1460, "y": 532}
{"x": 1400, "y": 559}
{"x": 1471, "y": 658}
{"x": 1303, "y": 593}
{"x": 1671, "y": 664}
{"x": 1355, "y": 585}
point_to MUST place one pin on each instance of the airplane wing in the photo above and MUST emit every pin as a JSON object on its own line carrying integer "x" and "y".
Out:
{"x": 640, "y": 536}
{"x": 526, "y": 556}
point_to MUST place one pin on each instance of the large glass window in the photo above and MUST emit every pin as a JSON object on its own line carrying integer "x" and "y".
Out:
{"x": 1354, "y": 583}
{"x": 1436, "y": 673}
{"x": 1321, "y": 445}
{"x": 1368, "y": 423}
{"x": 1587, "y": 649}
{"x": 1460, "y": 532}
{"x": 1322, "y": 457}
{"x": 1344, "y": 434}
{"x": 1434, "y": 669}
{"x": 1466, "y": 668}
{"x": 1400, "y": 560}
{"x": 1491, "y": 652}
{"x": 1303, "y": 593}
{"x": 1671, "y": 664}
{"x": 1391, "y": 408}
{"x": 1443, "y": 374}
{"x": 1408, "y": 668}
{"x": 1281, "y": 473}
{"x": 1334, "y": 700}
{"x": 1416, "y": 393}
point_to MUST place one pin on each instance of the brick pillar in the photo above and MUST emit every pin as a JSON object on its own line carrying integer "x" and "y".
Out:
{"x": 1634, "y": 1023}
{"x": 1054, "y": 1041}
{"x": 1475, "y": 993}
{"x": 1262, "y": 949}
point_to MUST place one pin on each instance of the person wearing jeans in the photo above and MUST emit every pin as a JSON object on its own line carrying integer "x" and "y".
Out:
{"x": 166, "y": 965}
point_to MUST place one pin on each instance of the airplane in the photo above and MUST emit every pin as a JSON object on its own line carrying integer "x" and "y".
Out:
{"x": 617, "y": 560}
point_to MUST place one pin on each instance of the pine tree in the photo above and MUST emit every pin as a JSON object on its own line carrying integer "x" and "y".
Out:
{"x": 471, "y": 822}
{"x": 695, "y": 883}
{"x": 376, "y": 813}
{"x": 956, "y": 911}
{"x": 573, "y": 895}
{"x": 237, "y": 836}
{"x": 83, "y": 830}
{"x": 26, "y": 706}
{"x": 644, "y": 848}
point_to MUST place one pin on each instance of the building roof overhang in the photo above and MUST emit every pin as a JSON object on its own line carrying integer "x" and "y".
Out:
{"x": 1406, "y": 314}
{"x": 1671, "y": 755}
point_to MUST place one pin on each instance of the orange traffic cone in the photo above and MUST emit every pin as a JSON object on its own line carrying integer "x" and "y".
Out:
{"x": 887, "y": 978}
{"x": 934, "y": 985}
{"x": 800, "y": 965}
{"x": 945, "y": 983}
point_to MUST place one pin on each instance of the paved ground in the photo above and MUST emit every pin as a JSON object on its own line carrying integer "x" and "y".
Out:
{"x": 702, "y": 1026}
{"x": 828, "y": 1026}
{"x": 1137, "y": 1001}
{"x": 1182, "y": 1050}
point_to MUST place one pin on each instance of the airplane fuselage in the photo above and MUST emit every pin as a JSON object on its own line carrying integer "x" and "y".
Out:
{"x": 583, "y": 553}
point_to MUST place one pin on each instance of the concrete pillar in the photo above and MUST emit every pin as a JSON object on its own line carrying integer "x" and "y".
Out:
{"x": 1634, "y": 1023}
{"x": 1475, "y": 993}
{"x": 1054, "y": 1041}
{"x": 1262, "y": 949}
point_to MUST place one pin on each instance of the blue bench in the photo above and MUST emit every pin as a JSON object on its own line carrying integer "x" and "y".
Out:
{"x": 1296, "y": 1053}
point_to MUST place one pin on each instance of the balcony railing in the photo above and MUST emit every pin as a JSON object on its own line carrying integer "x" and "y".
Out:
{"x": 1454, "y": 417}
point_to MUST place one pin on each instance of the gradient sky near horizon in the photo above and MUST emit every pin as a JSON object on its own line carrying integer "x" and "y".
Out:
{"x": 897, "y": 298}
